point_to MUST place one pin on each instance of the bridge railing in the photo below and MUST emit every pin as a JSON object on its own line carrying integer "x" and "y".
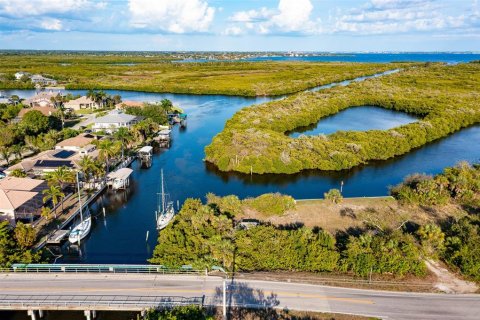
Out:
{"x": 100, "y": 268}
{"x": 95, "y": 302}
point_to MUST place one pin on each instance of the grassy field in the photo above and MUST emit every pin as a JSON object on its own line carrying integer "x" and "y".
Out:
{"x": 254, "y": 139}
{"x": 158, "y": 74}
{"x": 352, "y": 213}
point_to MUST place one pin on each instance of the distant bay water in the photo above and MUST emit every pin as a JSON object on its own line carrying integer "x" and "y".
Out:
{"x": 447, "y": 57}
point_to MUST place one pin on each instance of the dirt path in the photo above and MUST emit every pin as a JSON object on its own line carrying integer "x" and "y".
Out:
{"x": 449, "y": 282}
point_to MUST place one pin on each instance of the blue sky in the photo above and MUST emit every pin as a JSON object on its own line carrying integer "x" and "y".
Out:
{"x": 248, "y": 25}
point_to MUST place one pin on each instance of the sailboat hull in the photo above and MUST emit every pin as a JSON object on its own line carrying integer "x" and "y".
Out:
{"x": 80, "y": 231}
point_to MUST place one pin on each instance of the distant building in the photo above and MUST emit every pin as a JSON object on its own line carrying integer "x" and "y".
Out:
{"x": 126, "y": 104}
{"x": 20, "y": 74}
{"x": 43, "y": 81}
{"x": 115, "y": 119}
{"x": 82, "y": 103}
{"x": 20, "y": 198}
{"x": 42, "y": 99}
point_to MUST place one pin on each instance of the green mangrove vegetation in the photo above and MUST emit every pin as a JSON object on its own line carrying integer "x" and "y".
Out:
{"x": 254, "y": 139}
{"x": 157, "y": 73}
{"x": 204, "y": 235}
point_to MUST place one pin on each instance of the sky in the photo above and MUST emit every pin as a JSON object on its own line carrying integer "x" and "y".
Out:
{"x": 241, "y": 25}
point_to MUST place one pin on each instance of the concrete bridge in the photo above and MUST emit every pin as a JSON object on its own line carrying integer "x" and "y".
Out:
{"x": 139, "y": 288}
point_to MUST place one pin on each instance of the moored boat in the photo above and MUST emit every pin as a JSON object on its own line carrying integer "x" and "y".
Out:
{"x": 165, "y": 211}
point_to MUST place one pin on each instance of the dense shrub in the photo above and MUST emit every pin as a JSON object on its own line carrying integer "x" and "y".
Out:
{"x": 204, "y": 236}
{"x": 395, "y": 253}
{"x": 460, "y": 184}
{"x": 462, "y": 246}
{"x": 271, "y": 203}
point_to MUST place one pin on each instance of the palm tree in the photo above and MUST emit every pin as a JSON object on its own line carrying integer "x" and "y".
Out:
{"x": 124, "y": 136}
{"x": 107, "y": 150}
{"x": 5, "y": 152}
{"x": 17, "y": 150}
{"x": 55, "y": 194}
{"x": 60, "y": 177}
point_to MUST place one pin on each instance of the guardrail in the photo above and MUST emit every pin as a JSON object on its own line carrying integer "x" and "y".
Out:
{"x": 93, "y": 302}
{"x": 100, "y": 268}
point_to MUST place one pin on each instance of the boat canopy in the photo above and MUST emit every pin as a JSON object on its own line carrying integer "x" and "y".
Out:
{"x": 165, "y": 132}
{"x": 146, "y": 149}
{"x": 120, "y": 174}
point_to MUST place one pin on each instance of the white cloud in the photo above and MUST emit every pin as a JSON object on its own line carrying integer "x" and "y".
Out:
{"x": 290, "y": 16}
{"x": 252, "y": 15}
{"x": 233, "y": 31}
{"x": 398, "y": 16}
{"x": 179, "y": 16}
{"x": 51, "y": 24}
{"x": 28, "y": 8}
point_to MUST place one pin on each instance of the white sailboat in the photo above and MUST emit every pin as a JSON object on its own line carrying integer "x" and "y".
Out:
{"x": 81, "y": 230}
{"x": 165, "y": 211}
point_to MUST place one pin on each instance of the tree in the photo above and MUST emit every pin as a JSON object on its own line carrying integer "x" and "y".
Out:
{"x": 333, "y": 195}
{"x": 34, "y": 122}
{"x": 25, "y": 235}
{"x": 107, "y": 150}
{"x": 5, "y": 152}
{"x": 432, "y": 239}
{"x": 55, "y": 194}
{"x": 60, "y": 177}
{"x": 46, "y": 213}
{"x": 17, "y": 150}
{"x": 124, "y": 136}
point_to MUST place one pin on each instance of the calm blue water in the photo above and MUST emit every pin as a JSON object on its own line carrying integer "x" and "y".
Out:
{"x": 119, "y": 236}
{"x": 369, "y": 57}
{"x": 357, "y": 119}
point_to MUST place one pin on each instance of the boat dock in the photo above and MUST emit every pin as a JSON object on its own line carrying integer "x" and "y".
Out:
{"x": 58, "y": 237}
{"x": 145, "y": 155}
{"x": 163, "y": 138}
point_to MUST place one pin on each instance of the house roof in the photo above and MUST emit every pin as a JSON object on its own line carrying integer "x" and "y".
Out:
{"x": 129, "y": 103}
{"x": 14, "y": 199}
{"x": 116, "y": 116}
{"x": 79, "y": 141}
{"x": 19, "y": 184}
{"x": 46, "y": 111}
{"x": 81, "y": 100}
{"x": 45, "y": 95}
{"x": 52, "y": 159}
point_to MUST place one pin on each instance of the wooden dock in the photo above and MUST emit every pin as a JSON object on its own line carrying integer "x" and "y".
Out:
{"x": 58, "y": 237}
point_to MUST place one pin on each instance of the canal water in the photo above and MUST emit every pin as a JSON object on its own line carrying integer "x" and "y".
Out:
{"x": 120, "y": 235}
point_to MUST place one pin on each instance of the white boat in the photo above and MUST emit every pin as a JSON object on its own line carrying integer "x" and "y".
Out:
{"x": 165, "y": 211}
{"x": 81, "y": 230}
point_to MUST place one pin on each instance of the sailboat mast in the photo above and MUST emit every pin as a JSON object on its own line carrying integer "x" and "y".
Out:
{"x": 79, "y": 198}
{"x": 163, "y": 195}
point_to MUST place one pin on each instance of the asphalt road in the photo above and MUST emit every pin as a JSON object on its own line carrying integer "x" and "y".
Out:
{"x": 382, "y": 304}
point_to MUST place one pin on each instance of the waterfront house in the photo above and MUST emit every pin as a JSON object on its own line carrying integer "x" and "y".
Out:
{"x": 20, "y": 198}
{"x": 83, "y": 144}
{"x": 42, "y": 99}
{"x": 51, "y": 160}
{"x": 115, "y": 119}
{"x": 46, "y": 111}
{"x": 83, "y": 102}
{"x": 41, "y": 80}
